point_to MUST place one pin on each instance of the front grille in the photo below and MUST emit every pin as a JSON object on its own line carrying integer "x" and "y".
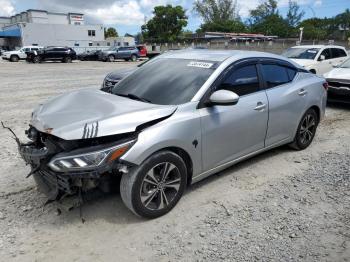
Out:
{"x": 338, "y": 84}
{"x": 51, "y": 184}
{"x": 110, "y": 83}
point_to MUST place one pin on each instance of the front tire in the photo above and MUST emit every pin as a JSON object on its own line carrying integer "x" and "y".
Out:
{"x": 110, "y": 58}
{"x": 67, "y": 59}
{"x": 14, "y": 58}
{"x": 36, "y": 60}
{"x": 306, "y": 130}
{"x": 154, "y": 188}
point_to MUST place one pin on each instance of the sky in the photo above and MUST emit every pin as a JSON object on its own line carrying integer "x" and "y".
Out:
{"x": 128, "y": 15}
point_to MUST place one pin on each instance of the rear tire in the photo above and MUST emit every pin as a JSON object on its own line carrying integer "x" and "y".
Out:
{"x": 134, "y": 58}
{"x": 14, "y": 58}
{"x": 306, "y": 130}
{"x": 154, "y": 188}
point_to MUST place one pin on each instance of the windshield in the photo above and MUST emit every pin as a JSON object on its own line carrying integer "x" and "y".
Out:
{"x": 346, "y": 64}
{"x": 301, "y": 53}
{"x": 166, "y": 81}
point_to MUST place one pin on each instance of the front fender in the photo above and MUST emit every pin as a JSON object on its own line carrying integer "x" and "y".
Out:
{"x": 180, "y": 131}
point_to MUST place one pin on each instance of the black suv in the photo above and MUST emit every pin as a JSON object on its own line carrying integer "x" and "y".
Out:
{"x": 52, "y": 53}
{"x": 127, "y": 53}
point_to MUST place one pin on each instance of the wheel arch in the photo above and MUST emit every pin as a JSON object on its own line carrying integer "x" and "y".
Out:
{"x": 185, "y": 157}
{"x": 318, "y": 111}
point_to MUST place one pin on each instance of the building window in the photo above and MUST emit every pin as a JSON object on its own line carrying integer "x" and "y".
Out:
{"x": 91, "y": 32}
{"x": 108, "y": 44}
{"x": 98, "y": 44}
{"x": 118, "y": 44}
{"x": 34, "y": 44}
{"x": 76, "y": 44}
{"x": 90, "y": 43}
{"x": 126, "y": 43}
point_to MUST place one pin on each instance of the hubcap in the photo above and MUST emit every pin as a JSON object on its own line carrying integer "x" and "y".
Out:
{"x": 160, "y": 186}
{"x": 307, "y": 129}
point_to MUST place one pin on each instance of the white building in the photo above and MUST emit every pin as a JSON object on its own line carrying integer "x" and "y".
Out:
{"x": 43, "y": 28}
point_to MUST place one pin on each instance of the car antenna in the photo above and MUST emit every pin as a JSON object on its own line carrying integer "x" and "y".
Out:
{"x": 13, "y": 133}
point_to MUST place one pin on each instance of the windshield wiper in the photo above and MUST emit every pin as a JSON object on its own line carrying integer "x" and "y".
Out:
{"x": 134, "y": 97}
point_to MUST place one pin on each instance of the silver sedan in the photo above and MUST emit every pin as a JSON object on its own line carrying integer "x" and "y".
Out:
{"x": 174, "y": 121}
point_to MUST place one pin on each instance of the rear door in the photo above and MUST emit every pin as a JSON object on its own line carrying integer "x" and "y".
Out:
{"x": 339, "y": 56}
{"x": 233, "y": 131}
{"x": 325, "y": 65}
{"x": 287, "y": 101}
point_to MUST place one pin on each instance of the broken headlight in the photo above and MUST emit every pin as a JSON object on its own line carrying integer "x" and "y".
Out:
{"x": 90, "y": 159}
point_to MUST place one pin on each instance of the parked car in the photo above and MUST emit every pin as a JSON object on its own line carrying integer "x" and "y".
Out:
{"x": 339, "y": 83}
{"x": 89, "y": 55}
{"x": 127, "y": 53}
{"x": 52, "y": 53}
{"x": 15, "y": 56}
{"x": 318, "y": 59}
{"x": 114, "y": 77}
{"x": 174, "y": 121}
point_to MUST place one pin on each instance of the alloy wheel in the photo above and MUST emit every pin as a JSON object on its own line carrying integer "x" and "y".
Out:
{"x": 307, "y": 129}
{"x": 160, "y": 186}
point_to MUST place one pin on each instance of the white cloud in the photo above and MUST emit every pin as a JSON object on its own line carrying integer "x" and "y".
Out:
{"x": 6, "y": 8}
{"x": 128, "y": 13}
{"x": 318, "y": 3}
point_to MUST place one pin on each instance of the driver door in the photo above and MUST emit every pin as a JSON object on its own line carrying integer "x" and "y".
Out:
{"x": 233, "y": 131}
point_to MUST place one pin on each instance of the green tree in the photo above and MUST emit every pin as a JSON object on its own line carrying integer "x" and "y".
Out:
{"x": 267, "y": 20}
{"x": 166, "y": 25}
{"x": 315, "y": 28}
{"x": 110, "y": 32}
{"x": 342, "y": 21}
{"x": 219, "y": 15}
{"x": 294, "y": 14}
{"x": 293, "y": 18}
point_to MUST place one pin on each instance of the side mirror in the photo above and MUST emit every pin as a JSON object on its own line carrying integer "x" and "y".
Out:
{"x": 223, "y": 97}
{"x": 322, "y": 57}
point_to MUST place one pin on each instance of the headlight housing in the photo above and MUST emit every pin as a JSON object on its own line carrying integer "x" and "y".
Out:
{"x": 89, "y": 160}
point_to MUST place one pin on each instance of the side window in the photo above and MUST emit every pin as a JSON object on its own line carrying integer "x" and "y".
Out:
{"x": 327, "y": 54}
{"x": 337, "y": 52}
{"x": 275, "y": 75}
{"x": 242, "y": 81}
{"x": 291, "y": 73}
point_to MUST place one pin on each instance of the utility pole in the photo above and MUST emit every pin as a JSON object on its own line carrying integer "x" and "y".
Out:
{"x": 301, "y": 34}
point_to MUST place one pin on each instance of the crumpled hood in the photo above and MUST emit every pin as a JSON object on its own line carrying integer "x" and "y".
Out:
{"x": 339, "y": 73}
{"x": 90, "y": 113}
{"x": 304, "y": 62}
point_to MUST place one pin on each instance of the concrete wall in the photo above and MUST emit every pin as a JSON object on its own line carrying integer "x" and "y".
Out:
{"x": 4, "y": 21}
{"x": 61, "y": 35}
{"x": 57, "y": 18}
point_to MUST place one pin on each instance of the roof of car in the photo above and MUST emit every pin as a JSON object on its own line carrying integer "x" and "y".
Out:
{"x": 217, "y": 55}
{"x": 318, "y": 46}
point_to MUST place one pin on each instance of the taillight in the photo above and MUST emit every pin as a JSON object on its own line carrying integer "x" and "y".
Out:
{"x": 325, "y": 85}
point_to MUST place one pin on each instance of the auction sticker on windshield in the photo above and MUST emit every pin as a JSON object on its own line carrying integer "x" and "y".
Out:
{"x": 200, "y": 64}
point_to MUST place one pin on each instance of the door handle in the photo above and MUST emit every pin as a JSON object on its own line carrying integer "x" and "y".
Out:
{"x": 302, "y": 92}
{"x": 260, "y": 106}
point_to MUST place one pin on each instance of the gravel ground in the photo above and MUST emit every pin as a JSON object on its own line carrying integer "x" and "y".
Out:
{"x": 283, "y": 205}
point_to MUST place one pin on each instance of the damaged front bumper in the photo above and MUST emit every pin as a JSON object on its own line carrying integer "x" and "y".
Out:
{"x": 56, "y": 185}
